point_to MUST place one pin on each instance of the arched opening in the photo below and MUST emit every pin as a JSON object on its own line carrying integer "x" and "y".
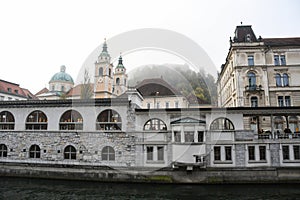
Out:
{"x": 36, "y": 120}
{"x": 278, "y": 122}
{"x": 70, "y": 153}
{"x": 7, "y": 121}
{"x": 285, "y": 80}
{"x": 155, "y": 124}
{"x": 117, "y": 81}
{"x": 278, "y": 80}
{"x": 108, "y": 153}
{"x": 293, "y": 124}
{"x": 71, "y": 120}
{"x": 109, "y": 120}
{"x": 34, "y": 151}
{"x": 254, "y": 101}
{"x": 221, "y": 123}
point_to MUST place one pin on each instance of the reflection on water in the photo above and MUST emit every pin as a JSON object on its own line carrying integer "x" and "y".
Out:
{"x": 20, "y": 188}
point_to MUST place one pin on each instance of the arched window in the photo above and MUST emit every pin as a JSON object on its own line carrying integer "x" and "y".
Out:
{"x": 278, "y": 121}
{"x": 109, "y": 72}
{"x": 37, "y": 120}
{"x": 221, "y": 123}
{"x": 71, "y": 120}
{"x": 109, "y": 120}
{"x": 155, "y": 124}
{"x": 108, "y": 153}
{"x": 118, "y": 81}
{"x": 3, "y": 150}
{"x": 252, "y": 79}
{"x": 70, "y": 153}
{"x": 254, "y": 102}
{"x": 100, "y": 71}
{"x": 34, "y": 151}
{"x": 285, "y": 79}
{"x": 7, "y": 121}
{"x": 293, "y": 124}
{"x": 278, "y": 80}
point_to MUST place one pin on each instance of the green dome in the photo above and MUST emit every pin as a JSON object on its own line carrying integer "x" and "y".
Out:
{"x": 62, "y": 76}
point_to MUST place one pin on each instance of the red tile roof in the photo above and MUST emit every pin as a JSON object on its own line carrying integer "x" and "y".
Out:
{"x": 14, "y": 89}
{"x": 76, "y": 91}
{"x": 42, "y": 91}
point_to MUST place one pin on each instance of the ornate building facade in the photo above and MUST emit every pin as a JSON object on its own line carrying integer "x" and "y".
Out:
{"x": 260, "y": 71}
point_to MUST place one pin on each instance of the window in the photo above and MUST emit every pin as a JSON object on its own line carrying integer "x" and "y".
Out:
{"x": 276, "y": 60}
{"x": 282, "y": 60}
{"x": 71, "y": 120}
{"x": 285, "y": 79}
{"x": 176, "y": 104}
{"x": 296, "y": 149}
{"x": 287, "y": 100}
{"x": 177, "y": 136}
{"x": 251, "y": 152}
{"x": 221, "y": 123}
{"x": 109, "y": 120}
{"x": 250, "y": 60}
{"x": 7, "y": 121}
{"x": 148, "y": 105}
{"x": 278, "y": 80}
{"x": 279, "y": 60}
{"x": 37, "y": 120}
{"x": 70, "y": 153}
{"x": 8, "y": 89}
{"x": 149, "y": 153}
{"x": 62, "y": 88}
{"x": 200, "y": 136}
{"x": 228, "y": 155}
{"x": 108, "y": 153}
{"x": 252, "y": 80}
{"x": 53, "y": 87}
{"x": 160, "y": 153}
{"x": 167, "y": 104}
{"x": 34, "y": 151}
{"x": 217, "y": 153}
{"x": 254, "y": 102}
{"x": 118, "y": 81}
{"x": 157, "y": 105}
{"x": 285, "y": 152}
{"x": 16, "y": 91}
{"x": 280, "y": 101}
{"x": 155, "y": 124}
{"x": 262, "y": 152}
{"x": 189, "y": 136}
{"x": 109, "y": 72}
{"x": 100, "y": 71}
{"x": 3, "y": 150}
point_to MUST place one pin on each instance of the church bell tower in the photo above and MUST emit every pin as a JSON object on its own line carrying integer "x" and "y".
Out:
{"x": 103, "y": 74}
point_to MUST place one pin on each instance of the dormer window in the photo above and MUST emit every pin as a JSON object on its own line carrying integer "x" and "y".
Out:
{"x": 9, "y": 89}
{"x": 16, "y": 91}
{"x": 248, "y": 38}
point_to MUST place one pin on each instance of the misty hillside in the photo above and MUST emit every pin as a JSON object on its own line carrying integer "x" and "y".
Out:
{"x": 182, "y": 78}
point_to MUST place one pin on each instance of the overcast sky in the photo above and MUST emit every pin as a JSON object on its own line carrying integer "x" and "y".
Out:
{"x": 37, "y": 37}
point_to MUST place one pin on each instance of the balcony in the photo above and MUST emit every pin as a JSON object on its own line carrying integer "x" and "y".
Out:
{"x": 253, "y": 88}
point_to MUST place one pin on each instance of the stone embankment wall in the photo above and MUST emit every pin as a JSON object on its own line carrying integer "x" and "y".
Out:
{"x": 203, "y": 176}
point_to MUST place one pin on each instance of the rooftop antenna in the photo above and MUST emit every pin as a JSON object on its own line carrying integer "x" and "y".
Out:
{"x": 241, "y": 23}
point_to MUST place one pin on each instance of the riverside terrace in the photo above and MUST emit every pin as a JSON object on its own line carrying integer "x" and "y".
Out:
{"x": 118, "y": 134}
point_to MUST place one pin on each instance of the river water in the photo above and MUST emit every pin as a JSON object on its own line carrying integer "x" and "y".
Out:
{"x": 21, "y": 188}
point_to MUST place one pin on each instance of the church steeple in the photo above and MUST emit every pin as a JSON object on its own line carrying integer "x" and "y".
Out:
{"x": 104, "y": 55}
{"x": 120, "y": 64}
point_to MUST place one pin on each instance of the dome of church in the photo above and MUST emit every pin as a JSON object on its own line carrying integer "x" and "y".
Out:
{"x": 62, "y": 76}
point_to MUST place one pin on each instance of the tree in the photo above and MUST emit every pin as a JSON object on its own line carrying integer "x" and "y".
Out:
{"x": 86, "y": 90}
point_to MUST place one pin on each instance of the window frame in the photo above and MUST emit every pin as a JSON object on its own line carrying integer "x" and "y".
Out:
{"x": 70, "y": 152}
{"x": 34, "y": 151}
{"x": 108, "y": 154}
{"x": 3, "y": 151}
{"x": 109, "y": 120}
{"x": 7, "y": 121}
{"x": 36, "y": 120}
